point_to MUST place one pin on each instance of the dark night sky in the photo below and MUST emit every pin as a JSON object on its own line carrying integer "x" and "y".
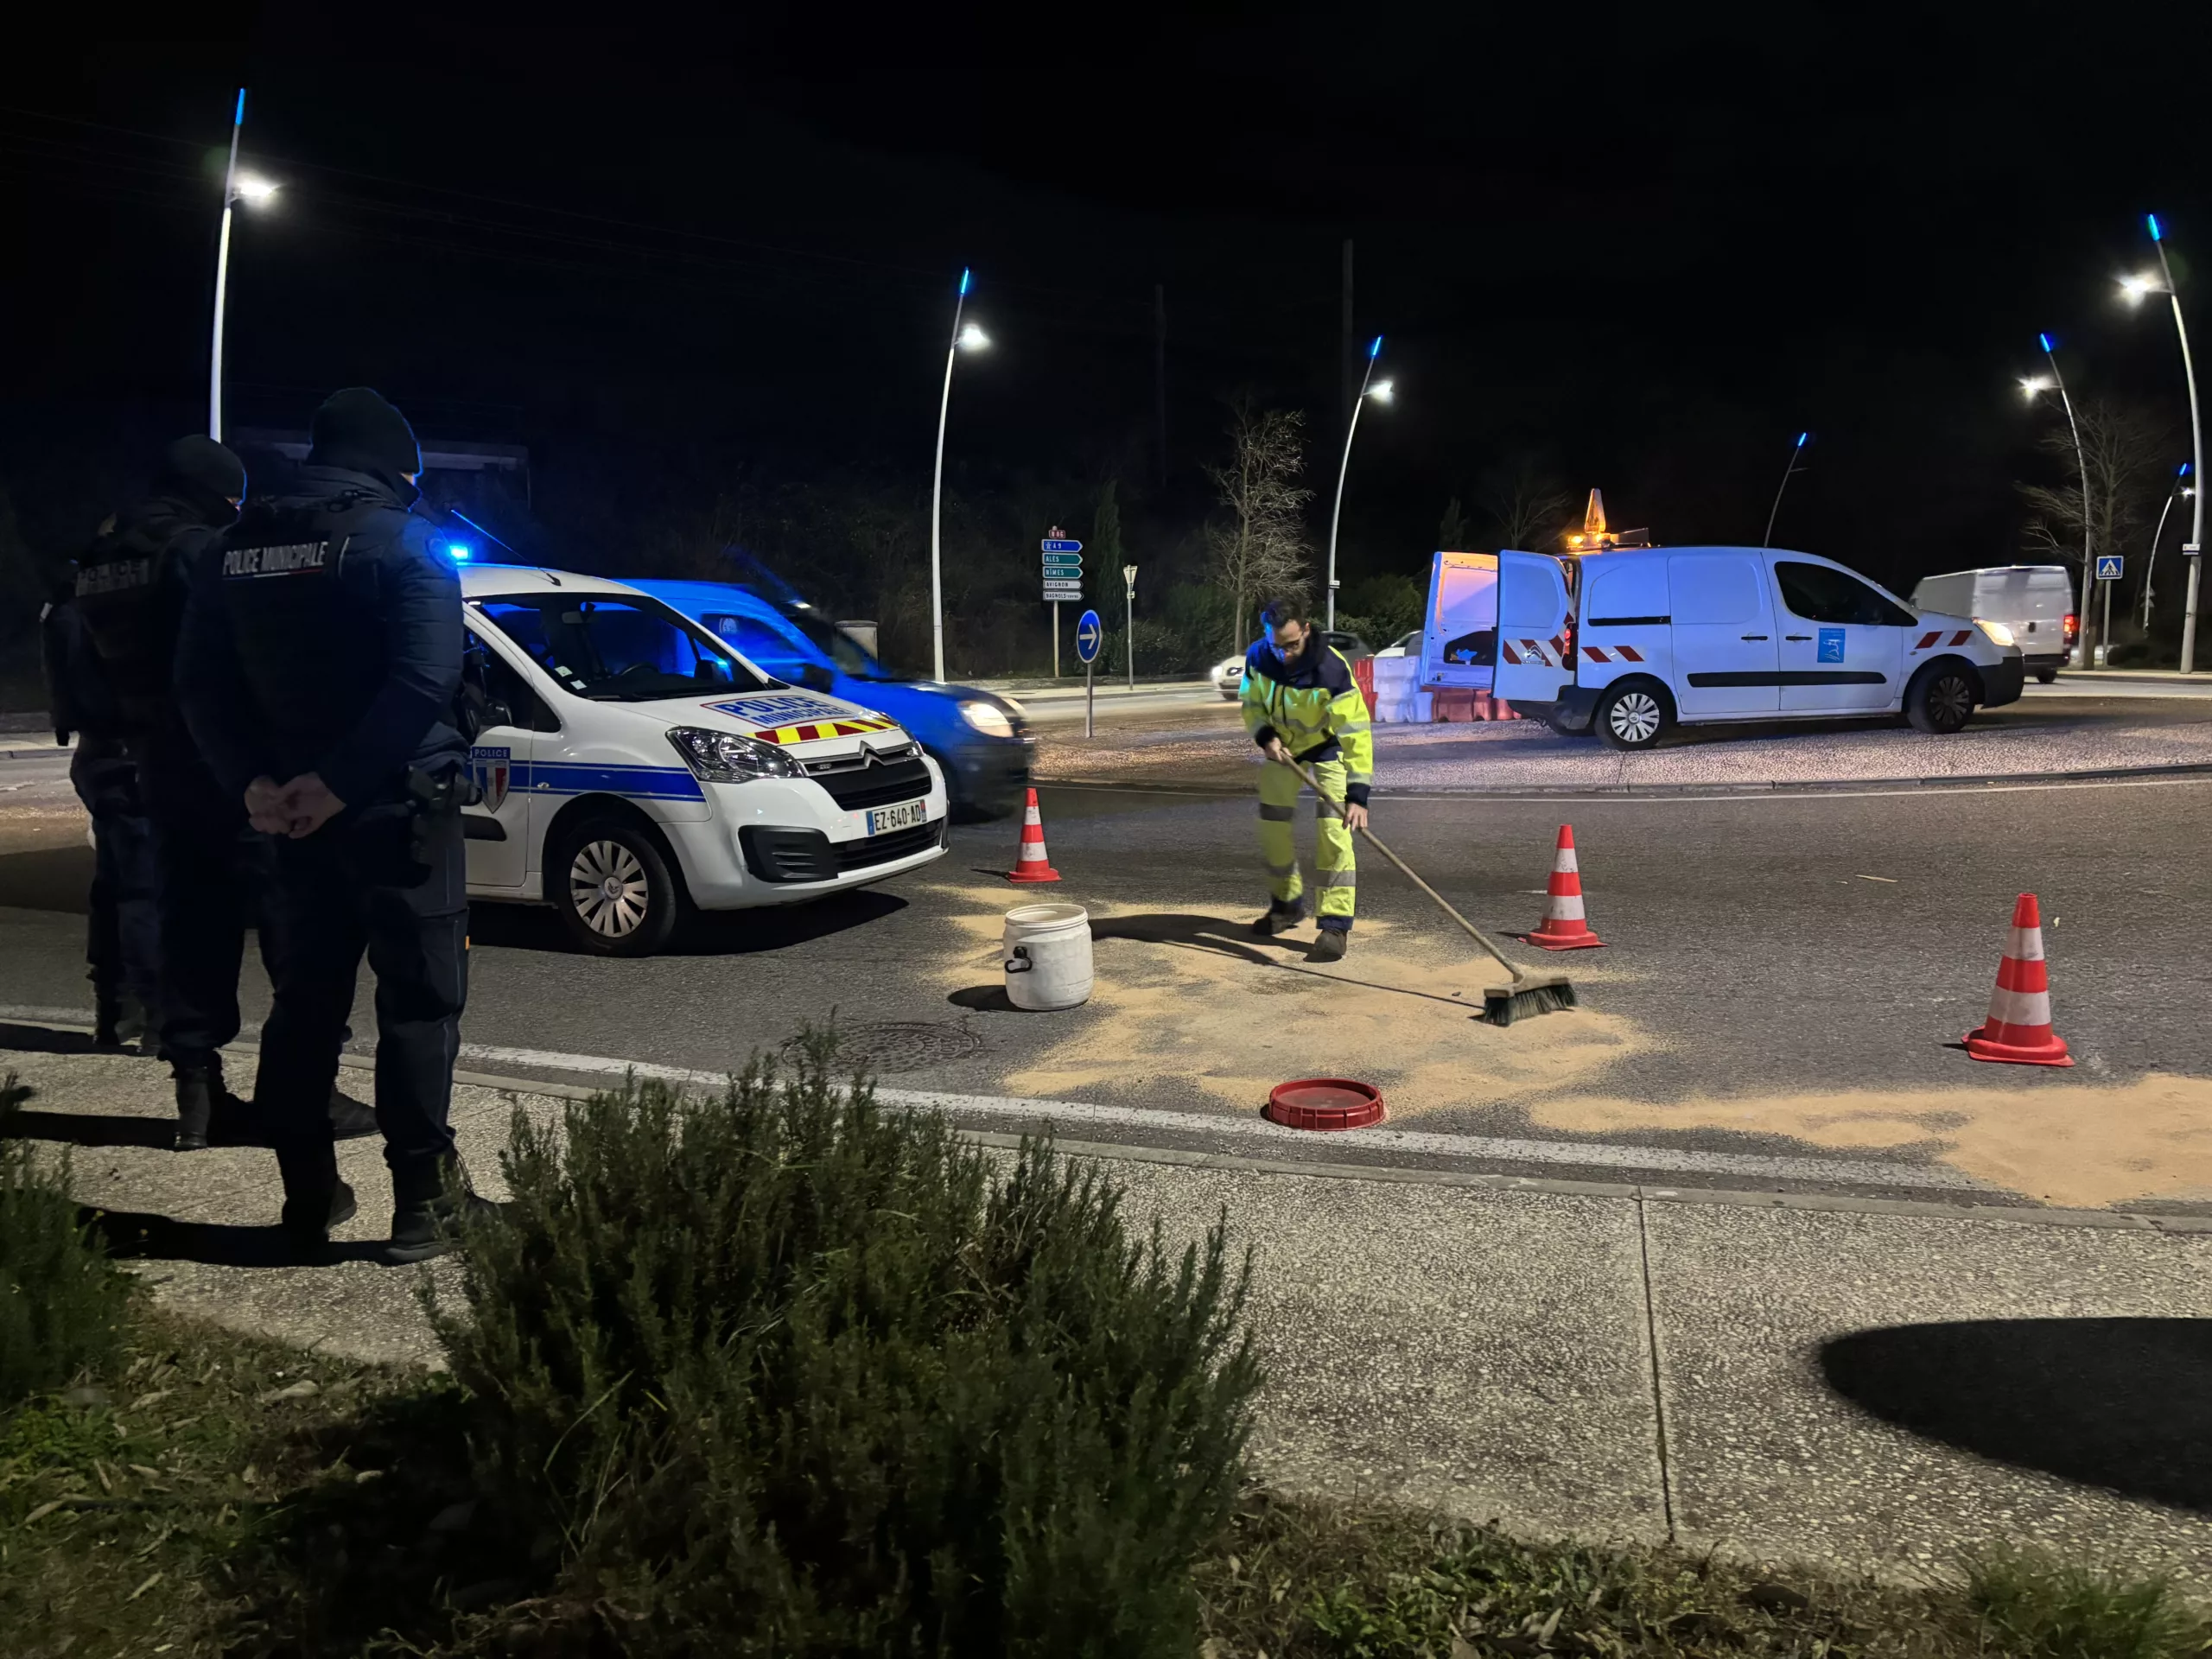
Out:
{"x": 1649, "y": 249}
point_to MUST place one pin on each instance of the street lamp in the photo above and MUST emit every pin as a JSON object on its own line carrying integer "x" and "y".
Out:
{"x": 1796, "y": 450}
{"x": 1380, "y": 392}
{"x": 2184, "y": 489}
{"x": 2033, "y": 387}
{"x": 2135, "y": 288}
{"x": 237, "y": 187}
{"x": 970, "y": 339}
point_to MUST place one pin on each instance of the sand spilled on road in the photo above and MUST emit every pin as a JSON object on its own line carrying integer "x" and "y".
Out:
{"x": 2073, "y": 1145}
{"x": 1190, "y": 995}
{"x": 1194, "y": 995}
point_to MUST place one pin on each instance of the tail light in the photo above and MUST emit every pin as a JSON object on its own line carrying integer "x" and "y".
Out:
{"x": 2073, "y": 627}
{"x": 1566, "y": 636}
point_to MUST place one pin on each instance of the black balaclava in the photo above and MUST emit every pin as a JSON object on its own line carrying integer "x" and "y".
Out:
{"x": 204, "y": 476}
{"x": 357, "y": 429}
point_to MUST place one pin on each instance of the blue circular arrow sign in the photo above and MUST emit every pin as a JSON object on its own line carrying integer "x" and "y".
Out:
{"x": 1088, "y": 636}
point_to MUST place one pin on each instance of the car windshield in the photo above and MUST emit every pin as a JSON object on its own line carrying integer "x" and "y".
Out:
{"x": 616, "y": 648}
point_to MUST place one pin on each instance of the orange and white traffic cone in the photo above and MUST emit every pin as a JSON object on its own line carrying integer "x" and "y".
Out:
{"x": 1031, "y": 865}
{"x": 1564, "y": 927}
{"x": 2019, "y": 1026}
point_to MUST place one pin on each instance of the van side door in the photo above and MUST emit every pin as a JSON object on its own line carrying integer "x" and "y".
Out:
{"x": 498, "y": 827}
{"x": 1725, "y": 656}
{"x": 1842, "y": 641}
{"x": 1534, "y": 618}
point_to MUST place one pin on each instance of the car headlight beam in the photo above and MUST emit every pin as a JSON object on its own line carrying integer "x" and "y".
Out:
{"x": 1997, "y": 633}
{"x": 730, "y": 757}
{"x": 987, "y": 717}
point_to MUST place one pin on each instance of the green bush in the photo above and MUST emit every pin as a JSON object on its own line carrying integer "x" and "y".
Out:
{"x": 789, "y": 1374}
{"x": 62, "y": 1300}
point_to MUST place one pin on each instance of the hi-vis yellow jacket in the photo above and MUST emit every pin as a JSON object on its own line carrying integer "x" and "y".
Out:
{"x": 1315, "y": 708}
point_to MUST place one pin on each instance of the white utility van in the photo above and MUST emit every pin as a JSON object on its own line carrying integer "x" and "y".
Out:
{"x": 2036, "y": 601}
{"x": 1633, "y": 640}
{"x": 635, "y": 767}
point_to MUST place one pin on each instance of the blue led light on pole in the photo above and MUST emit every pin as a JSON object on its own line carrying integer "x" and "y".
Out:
{"x": 1796, "y": 450}
{"x": 1380, "y": 392}
{"x": 2034, "y": 387}
{"x": 2135, "y": 288}
{"x": 235, "y": 190}
{"x": 970, "y": 338}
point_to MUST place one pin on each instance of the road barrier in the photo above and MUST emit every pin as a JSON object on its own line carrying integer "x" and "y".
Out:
{"x": 1394, "y": 693}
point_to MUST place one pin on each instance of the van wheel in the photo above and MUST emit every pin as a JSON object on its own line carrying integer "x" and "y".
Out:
{"x": 2046, "y": 677}
{"x": 1633, "y": 717}
{"x": 612, "y": 885}
{"x": 1941, "y": 698}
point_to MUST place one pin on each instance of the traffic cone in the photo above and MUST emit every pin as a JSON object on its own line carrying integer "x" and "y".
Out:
{"x": 2019, "y": 1026}
{"x": 1563, "y": 927}
{"x": 1031, "y": 865}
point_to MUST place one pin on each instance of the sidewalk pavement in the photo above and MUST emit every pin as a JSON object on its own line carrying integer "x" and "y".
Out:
{"x": 1623, "y": 1363}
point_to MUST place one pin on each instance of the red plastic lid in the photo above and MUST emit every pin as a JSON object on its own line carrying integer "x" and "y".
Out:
{"x": 1324, "y": 1104}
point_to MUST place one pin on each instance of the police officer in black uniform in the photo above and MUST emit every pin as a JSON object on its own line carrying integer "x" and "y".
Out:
{"x": 214, "y": 871}
{"x": 319, "y": 671}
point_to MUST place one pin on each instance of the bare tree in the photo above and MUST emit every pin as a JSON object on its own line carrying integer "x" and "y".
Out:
{"x": 1262, "y": 550}
{"x": 1530, "y": 506}
{"x": 2126, "y": 451}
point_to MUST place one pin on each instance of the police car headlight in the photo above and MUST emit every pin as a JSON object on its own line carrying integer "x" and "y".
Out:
{"x": 1997, "y": 633}
{"x": 730, "y": 757}
{"x": 988, "y": 718}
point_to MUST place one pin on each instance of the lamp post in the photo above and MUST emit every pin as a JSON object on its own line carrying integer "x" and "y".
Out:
{"x": 2135, "y": 288}
{"x": 1796, "y": 450}
{"x": 1380, "y": 392}
{"x": 2032, "y": 388}
{"x": 2182, "y": 488}
{"x": 235, "y": 190}
{"x": 970, "y": 338}
{"x": 1129, "y": 625}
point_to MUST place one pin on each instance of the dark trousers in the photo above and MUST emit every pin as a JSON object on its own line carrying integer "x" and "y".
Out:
{"x": 366, "y": 883}
{"x": 122, "y": 935}
{"x": 218, "y": 875}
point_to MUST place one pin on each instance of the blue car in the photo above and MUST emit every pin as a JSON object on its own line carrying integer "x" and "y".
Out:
{"x": 978, "y": 740}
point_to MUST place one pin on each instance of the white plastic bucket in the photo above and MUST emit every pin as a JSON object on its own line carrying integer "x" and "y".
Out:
{"x": 1047, "y": 953}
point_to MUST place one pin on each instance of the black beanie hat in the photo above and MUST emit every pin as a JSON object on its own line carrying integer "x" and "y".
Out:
{"x": 356, "y": 428}
{"x": 205, "y": 466}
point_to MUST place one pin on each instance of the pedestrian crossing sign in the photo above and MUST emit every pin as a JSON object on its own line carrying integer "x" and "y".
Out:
{"x": 2109, "y": 566}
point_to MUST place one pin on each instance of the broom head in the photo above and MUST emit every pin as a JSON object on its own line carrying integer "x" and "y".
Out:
{"x": 1526, "y": 997}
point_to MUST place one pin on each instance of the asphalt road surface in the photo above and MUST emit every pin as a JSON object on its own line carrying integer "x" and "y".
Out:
{"x": 1785, "y": 982}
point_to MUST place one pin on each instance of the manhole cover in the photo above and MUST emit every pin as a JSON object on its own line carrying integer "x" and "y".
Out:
{"x": 902, "y": 1045}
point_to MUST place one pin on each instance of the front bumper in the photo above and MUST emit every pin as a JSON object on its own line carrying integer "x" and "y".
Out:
{"x": 2001, "y": 681}
{"x": 987, "y": 778}
{"x": 794, "y": 813}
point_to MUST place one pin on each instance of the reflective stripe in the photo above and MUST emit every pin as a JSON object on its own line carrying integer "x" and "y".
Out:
{"x": 1345, "y": 727}
{"x": 1337, "y": 879}
{"x": 1323, "y": 808}
{"x": 2019, "y": 1008}
{"x": 1290, "y": 868}
{"x": 1277, "y": 814}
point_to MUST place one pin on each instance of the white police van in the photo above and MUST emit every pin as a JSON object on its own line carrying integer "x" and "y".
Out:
{"x": 1633, "y": 640}
{"x": 635, "y": 767}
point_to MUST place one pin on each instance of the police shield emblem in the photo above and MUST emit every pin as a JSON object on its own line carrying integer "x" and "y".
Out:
{"x": 490, "y": 768}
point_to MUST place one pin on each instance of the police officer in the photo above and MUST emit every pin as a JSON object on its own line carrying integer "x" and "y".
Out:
{"x": 1304, "y": 710}
{"x": 319, "y": 669}
{"x": 123, "y": 945}
{"x": 215, "y": 870}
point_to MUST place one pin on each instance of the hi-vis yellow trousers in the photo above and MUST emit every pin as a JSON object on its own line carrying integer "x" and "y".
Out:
{"x": 1334, "y": 871}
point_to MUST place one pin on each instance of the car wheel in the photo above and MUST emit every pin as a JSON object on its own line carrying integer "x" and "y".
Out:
{"x": 2046, "y": 677}
{"x": 1632, "y": 716}
{"x": 613, "y": 889}
{"x": 1941, "y": 699}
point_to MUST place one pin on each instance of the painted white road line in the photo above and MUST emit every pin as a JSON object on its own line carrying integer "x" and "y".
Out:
{"x": 1074, "y": 1113}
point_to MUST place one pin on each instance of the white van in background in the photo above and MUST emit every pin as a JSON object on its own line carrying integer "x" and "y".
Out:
{"x": 2036, "y": 601}
{"x": 1634, "y": 640}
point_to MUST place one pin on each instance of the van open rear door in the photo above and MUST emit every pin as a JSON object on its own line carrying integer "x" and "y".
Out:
{"x": 1536, "y": 632}
{"x": 1459, "y": 635}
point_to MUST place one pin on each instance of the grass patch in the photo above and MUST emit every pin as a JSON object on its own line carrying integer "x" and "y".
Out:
{"x": 62, "y": 1300}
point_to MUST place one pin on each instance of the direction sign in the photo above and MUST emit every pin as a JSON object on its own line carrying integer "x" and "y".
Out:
{"x": 1056, "y": 544}
{"x": 1089, "y": 633}
{"x": 1064, "y": 595}
{"x": 1063, "y": 561}
{"x": 2109, "y": 565}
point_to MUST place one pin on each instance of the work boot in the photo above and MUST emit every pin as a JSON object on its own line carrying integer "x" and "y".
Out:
{"x": 1282, "y": 916}
{"x": 207, "y": 1113}
{"x": 350, "y": 1119}
{"x": 316, "y": 1200}
{"x": 1330, "y": 944}
{"x": 431, "y": 1203}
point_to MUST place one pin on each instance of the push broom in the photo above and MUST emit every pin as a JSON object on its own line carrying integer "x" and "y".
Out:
{"x": 1527, "y": 995}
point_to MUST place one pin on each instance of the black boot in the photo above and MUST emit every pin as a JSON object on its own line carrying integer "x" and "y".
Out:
{"x": 1282, "y": 916}
{"x": 1330, "y": 944}
{"x": 207, "y": 1113}
{"x": 431, "y": 1202}
{"x": 350, "y": 1119}
{"x": 316, "y": 1200}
